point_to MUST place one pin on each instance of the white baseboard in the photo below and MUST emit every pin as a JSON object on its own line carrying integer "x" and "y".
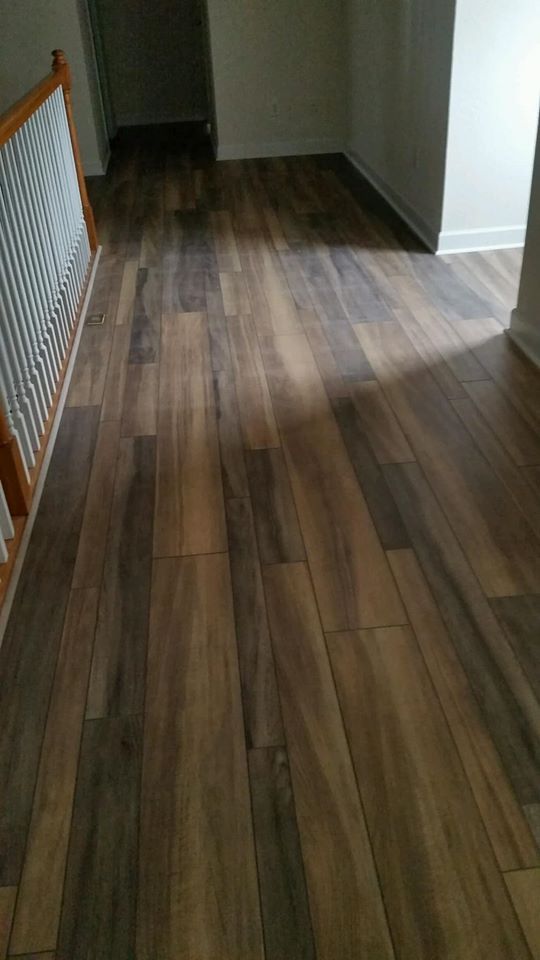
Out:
{"x": 428, "y": 234}
{"x": 278, "y": 148}
{"x": 526, "y": 337}
{"x": 492, "y": 238}
{"x": 25, "y": 539}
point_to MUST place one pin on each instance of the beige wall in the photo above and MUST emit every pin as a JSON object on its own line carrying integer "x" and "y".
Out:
{"x": 525, "y": 324}
{"x": 154, "y": 57}
{"x": 29, "y": 30}
{"x": 279, "y": 75}
{"x": 399, "y": 56}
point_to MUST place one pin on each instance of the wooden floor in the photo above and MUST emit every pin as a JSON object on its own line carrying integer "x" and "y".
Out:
{"x": 270, "y": 682}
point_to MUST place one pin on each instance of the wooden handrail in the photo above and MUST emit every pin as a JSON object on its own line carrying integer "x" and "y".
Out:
{"x": 18, "y": 114}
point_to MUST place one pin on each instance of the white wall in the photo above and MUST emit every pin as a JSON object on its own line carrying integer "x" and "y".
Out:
{"x": 29, "y": 30}
{"x": 493, "y": 120}
{"x": 154, "y": 56}
{"x": 279, "y": 75}
{"x": 525, "y": 324}
{"x": 399, "y": 56}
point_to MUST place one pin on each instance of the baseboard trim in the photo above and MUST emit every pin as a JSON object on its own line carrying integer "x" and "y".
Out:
{"x": 471, "y": 241}
{"x": 418, "y": 225}
{"x": 38, "y": 491}
{"x": 525, "y": 339}
{"x": 151, "y": 119}
{"x": 278, "y": 148}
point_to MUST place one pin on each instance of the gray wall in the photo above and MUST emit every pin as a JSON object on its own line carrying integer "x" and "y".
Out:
{"x": 154, "y": 56}
{"x": 29, "y": 30}
{"x": 279, "y": 75}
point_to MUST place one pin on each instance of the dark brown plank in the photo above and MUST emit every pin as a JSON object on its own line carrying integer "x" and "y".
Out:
{"x": 117, "y": 676}
{"x": 262, "y": 716}
{"x": 507, "y": 703}
{"x": 532, "y": 812}
{"x": 524, "y": 889}
{"x": 31, "y": 641}
{"x": 284, "y": 902}
{"x": 7, "y": 906}
{"x": 98, "y": 911}
{"x": 139, "y": 413}
{"x": 145, "y": 323}
{"x": 380, "y": 424}
{"x": 520, "y": 617}
{"x": 113, "y": 394}
{"x": 346, "y": 906}
{"x": 418, "y": 806}
{"x": 503, "y": 818}
{"x": 278, "y": 533}
{"x": 380, "y": 501}
{"x": 93, "y": 536}
{"x": 521, "y": 442}
{"x": 198, "y": 886}
{"x": 233, "y": 468}
{"x": 37, "y": 917}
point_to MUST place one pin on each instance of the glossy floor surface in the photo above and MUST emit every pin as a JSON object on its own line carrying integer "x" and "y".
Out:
{"x": 269, "y": 688}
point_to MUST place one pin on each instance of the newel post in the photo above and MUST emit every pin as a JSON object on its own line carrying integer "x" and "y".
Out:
{"x": 13, "y": 473}
{"x": 61, "y": 66}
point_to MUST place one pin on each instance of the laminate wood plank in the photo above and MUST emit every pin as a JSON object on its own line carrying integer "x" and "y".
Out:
{"x": 521, "y": 442}
{"x": 499, "y": 543}
{"x": 514, "y": 478}
{"x": 90, "y": 370}
{"x": 532, "y": 812}
{"x": 349, "y": 356}
{"x": 455, "y": 299}
{"x": 117, "y": 676}
{"x": 235, "y": 294}
{"x": 217, "y": 325}
{"x": 189, "y": 515}
{"x": 508, "y": 706}
{"x": 139, "y": 412}
{"x": 278, "y": 533}
{"x": 324, "y": 358}
{"x": 8, "y": 896}
{"x": 379, "y": 423}
{"x": 255, "y": 406}
{"x": 463, "y": 268}
{"x": 115, "y": 383}
{"x": 233, "y": 468}
{"x": 145, "y": 323}
{"x": 290, "y": 261}
{"x": 98, "y": 911}
{"x": 513, "y": 373}
{"x": 32, "y": 638}
{"x": 284, "y": 902}
{"x": 520, "y": 617}
{"x": 198, "y": 886}
{"x": 183, "y": 287}
{"x": 272, "y": 305}
{"x": 276, "y": 231}
{"x": 37, "y": 916}
{"x": 345, "y": 900}
{"x": 442, "y": 334}
{"x": 524, "y": 889}
{"x": 383, "y": 510}
{"x": 32, "y": 956}
{"x": 126, "y": 299}
{"x": 506, "y": 826}
{"x": 418, "y": 806}
{"x": 439, "y": 369}
{"x": 352, "y": 580}
{"x": 93, "y": 534}
{"x": 225, "y": 241}
{"x": 262, "y": 716}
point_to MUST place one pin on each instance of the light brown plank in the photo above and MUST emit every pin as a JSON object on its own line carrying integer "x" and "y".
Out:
{"x": 126, "y": 299}
{"x": 189, "y": 515}
{"x": 233, "y": 468}
{"x": 198, "y": 886}
{"x": 524, "y": 888}
{"x": 532, "y": 812}
{"x": 235, "y": 296}
{"x": 93, "y": 535}
{"x": 500, "y": 545}
{"x": 115, "y": 383}
{"x": 418, "y": 807}
{"x": 336, "y": 386}
{"x": 346, "y": 907}
{"x": 225, "y": 242}
{"x": 7, "y": 905}
{"x": 90, "y": 370}
{"x": 380, "y": 424}
{"x": 278, "y": 533}
{"x": 256, "y": 414}
{"x": 352, "y": 580}
{"x": 510, "y": 836}
{"x": 139, "y": 414}
{"x": 275, "y": 229}
{"x": 272, "y": 305}
{"x": 37, "y": 917}
{"x": 521, "y": 442}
